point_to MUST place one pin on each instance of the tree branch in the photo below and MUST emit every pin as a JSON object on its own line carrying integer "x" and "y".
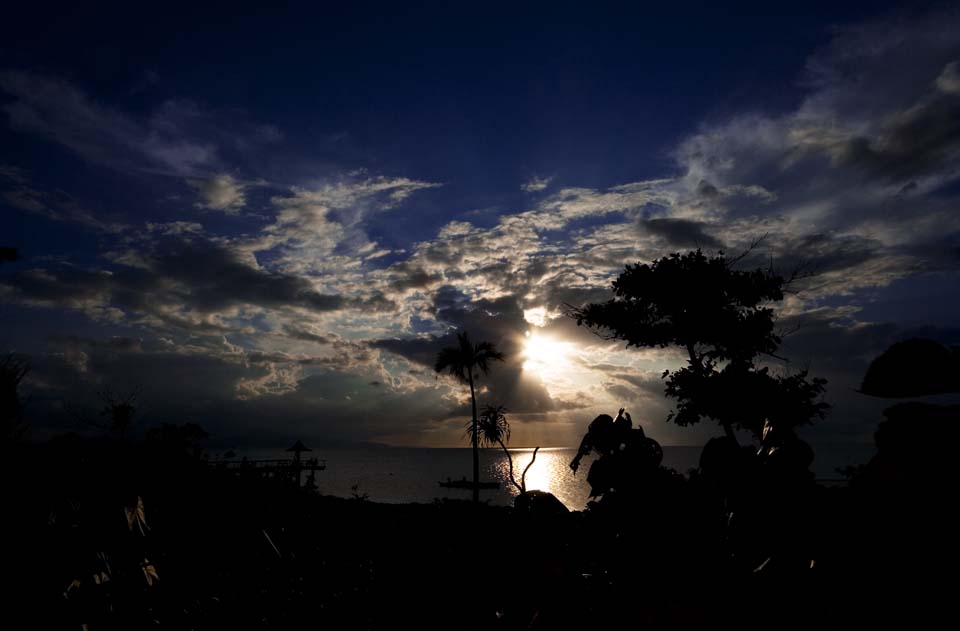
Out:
{"x": 523, "y": 478}
{"x": 750, "y": 248}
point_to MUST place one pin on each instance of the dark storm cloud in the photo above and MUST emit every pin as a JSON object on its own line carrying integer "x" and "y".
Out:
{"x": 307, "y": 334}
{"x": 116, "y": 343}
{"x": 917, "y": 141}
{"x": 228, "y": 390}
{"x": 499, "y": 321}
{"x": 820, "y": 259}
{"x": 175, "y": 276}
{"x": 333, "y": 408}
{"x": 680, "y": 232}
{"x": 405, "y": 276}
{"x": 419, "y": 350}
{"x": 563, "y": 290}
{"x": 210, "y": 277}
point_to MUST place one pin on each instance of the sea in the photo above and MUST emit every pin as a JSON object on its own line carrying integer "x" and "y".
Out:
{"x": 406, "y": 475}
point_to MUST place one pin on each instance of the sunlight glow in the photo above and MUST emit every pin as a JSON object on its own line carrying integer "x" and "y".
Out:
{"x": 540, "y": 476}
{"x": 536, "y": 316}
{"x": 543, "y": 354}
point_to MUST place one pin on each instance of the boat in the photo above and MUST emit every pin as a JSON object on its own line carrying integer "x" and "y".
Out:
{"x": 464, "y": 483}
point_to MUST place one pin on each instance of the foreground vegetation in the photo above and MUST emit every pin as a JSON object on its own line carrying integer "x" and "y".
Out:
{"x": 119, "y": 535}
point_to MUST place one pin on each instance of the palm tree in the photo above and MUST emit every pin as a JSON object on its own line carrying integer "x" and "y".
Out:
{"x": 493, "y": 429}
{"x": 463, "y": 362}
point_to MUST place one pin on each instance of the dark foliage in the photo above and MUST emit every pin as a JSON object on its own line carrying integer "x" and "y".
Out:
{"x": 625, "y": 457}
{"x": 690, "y": 300}
{"x": 913, "y": 368}
{"x": 722, "y": 318}
{"x": 8, "y": 254}
{"x": 745, "y": 396}
{"x": 13, "y": 369}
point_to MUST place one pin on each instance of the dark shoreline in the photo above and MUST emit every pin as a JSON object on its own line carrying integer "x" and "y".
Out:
{"x": 234, "y": 553}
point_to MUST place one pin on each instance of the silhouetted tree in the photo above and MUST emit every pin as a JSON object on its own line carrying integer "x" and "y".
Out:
{"x": 12, "y": 371}
{"x": 494, "y": 429}
{"x": 8, "y": 254}
{"x": 915, "y": 443}
{"x": 118, "y": 410}
{"x": 903, "y": 522}
{"x": 721, "y": 317}
{"x": 913, "y": 368}
{"x": 463, "y": 362}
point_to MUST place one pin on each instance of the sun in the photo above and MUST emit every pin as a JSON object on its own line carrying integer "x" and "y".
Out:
{"x": 543, "y": 354}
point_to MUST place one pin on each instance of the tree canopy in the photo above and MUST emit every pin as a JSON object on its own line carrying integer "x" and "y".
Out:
{"x": 724, "y": 320}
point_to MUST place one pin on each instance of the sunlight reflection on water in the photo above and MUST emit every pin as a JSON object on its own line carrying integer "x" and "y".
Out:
{"x": 550, "y": 473}
{"x": 398, "y": 474}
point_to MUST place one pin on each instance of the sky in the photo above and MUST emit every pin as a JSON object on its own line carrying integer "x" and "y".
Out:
{"x": 268, "y": 221}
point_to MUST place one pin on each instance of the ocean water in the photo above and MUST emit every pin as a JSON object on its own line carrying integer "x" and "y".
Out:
{"x": 400, "y": 475}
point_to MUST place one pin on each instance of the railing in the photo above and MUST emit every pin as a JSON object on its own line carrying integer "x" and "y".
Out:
{"x": 833, "y": 482}
{"x": 289, "y": 471}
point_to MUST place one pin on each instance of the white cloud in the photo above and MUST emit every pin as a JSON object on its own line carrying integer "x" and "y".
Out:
{"x": 536, "y": 184}
{"x": 221, "y": 192}
{"x": 949, "y": 79}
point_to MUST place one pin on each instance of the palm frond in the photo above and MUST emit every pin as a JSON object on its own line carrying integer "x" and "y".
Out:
{"x": 483, "y": 353}
{"x": 459, "y": 360}
{"x": 492, "y": 426}
{"x": 450, "y": 359}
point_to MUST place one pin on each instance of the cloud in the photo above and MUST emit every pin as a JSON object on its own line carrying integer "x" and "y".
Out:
{"x": 213, "y": 386}
{"x": 307, "y": 333}
{"x": 683, "y": 233}
{"x": 949, "y": 79}
{"x": 56, "y": 110}
{"x": 183, "y": 280}
{"x": 177, "y": 138}
{"x": 21, "y": 194}
{"x": 221, "y": 192}
{"x": 911, "y": 143}
{"x": 321, "y": 228}
{"x": 536, "y": 184}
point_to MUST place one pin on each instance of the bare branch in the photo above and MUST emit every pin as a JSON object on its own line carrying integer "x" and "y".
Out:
{"x": 750, "y": 248}
{"x": 576, "y": 313}
{"x": 523, "y": 478}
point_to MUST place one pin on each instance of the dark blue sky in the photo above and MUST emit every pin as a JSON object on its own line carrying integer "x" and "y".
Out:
{"x": 260, "y": 199}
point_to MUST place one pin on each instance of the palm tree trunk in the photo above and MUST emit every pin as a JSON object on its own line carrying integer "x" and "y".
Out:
{"x": 473, "y": 437}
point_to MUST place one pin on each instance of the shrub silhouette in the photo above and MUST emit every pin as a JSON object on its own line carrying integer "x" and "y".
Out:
{"x": 626, "y": 460}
